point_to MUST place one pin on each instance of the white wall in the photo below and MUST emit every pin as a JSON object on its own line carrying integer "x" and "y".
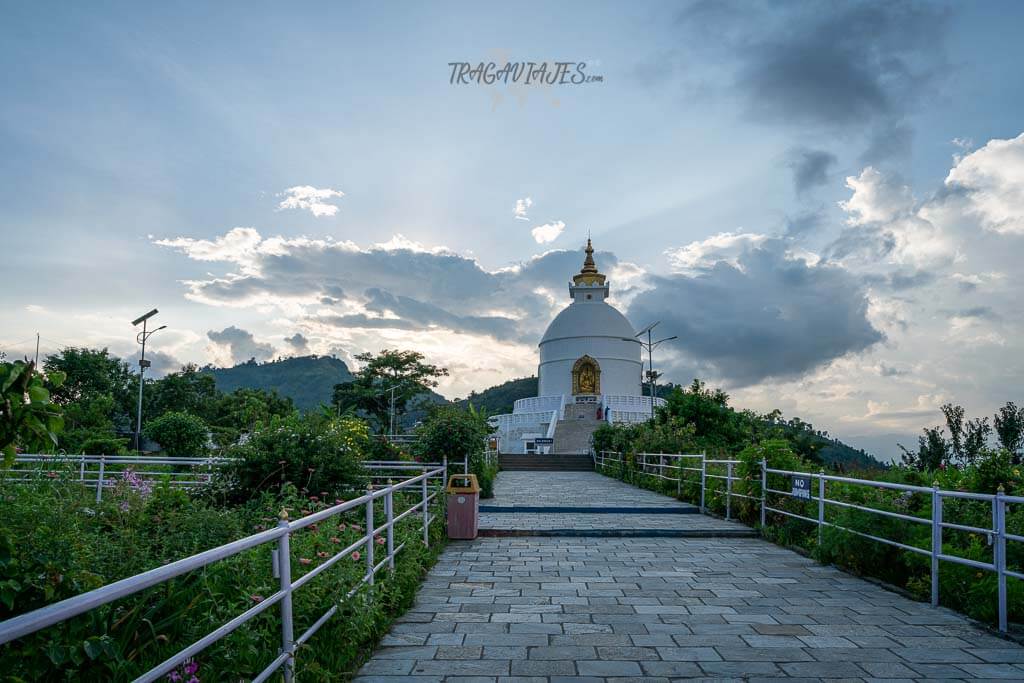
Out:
{"x": 619, "y": 361}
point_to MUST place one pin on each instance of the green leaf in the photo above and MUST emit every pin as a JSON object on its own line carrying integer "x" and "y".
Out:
{"x": 9, "y": 455}
{"x": 38, "y": 394}
{"x": 94, "y": 647}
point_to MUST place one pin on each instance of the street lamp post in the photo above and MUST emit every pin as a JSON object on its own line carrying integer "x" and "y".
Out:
{"x": 141, "y": 338}
{"x": 650, "y": 345}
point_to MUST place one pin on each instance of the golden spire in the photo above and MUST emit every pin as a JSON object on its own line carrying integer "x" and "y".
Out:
{"x": 589, "y": 274}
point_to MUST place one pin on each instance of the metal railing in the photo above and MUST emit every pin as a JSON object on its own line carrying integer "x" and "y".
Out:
{"x": 101, "y": 471}
{"x": 996, "y": 532}
{"x": 682, "y": 469}
{"x": 280, "y": 535}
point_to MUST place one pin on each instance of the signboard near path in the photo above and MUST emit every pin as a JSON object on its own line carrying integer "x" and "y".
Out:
{"x": 802, "y": 487}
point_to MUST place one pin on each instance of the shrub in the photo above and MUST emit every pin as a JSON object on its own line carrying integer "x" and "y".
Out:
{"x": 457, "y": 433}
{"x": 179, "y": 434}
{"x": 314, "y": 452}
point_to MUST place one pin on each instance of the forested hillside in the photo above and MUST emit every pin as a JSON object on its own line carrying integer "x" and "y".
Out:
{"x": 307, "y": 380}
{"x": 499, "y": 399}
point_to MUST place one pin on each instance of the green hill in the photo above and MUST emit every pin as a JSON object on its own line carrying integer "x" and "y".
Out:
{"x": 308, "y": 380}
{"x": 499, "y": 399}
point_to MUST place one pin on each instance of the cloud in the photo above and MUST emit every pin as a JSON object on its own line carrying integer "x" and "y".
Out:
{"x": 725, "y": 247}
{"x": 241, "y": 345}
{"x": 887, "y": 225}
{"x": 397, "y": 285}
{"x": 299, "y": 344}
{"x": 310, "y": 198}
{"x": 810, "y": 167}
{"x": 548, "y": 232}
{"x": 845, "y": 65}
{"x": 758, "y": 314}
{"x": 522, "y": 205}
{"x": 992, "y": 178}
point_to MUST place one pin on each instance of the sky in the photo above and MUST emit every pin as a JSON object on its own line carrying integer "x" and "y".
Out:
{"x": 823, "y": 200}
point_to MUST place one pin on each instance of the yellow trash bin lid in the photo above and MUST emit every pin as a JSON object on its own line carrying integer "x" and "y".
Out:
{"x": 469, "y": 484}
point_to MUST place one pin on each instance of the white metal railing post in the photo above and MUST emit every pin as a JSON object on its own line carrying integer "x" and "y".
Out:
{"x": 99, "y": 480}
{"x": 389, "y": 513}
{"x": 465, "y": 463}
{"x": 661, "y": 465}
{"x": 81, "y": 470}
{"x": 936, "y": 540}
{"x": 679, "y": 477}
{"x": 369, "y": 536}
{"x": 1000, "y": 553}
{"x": 764, "y": 488}
{"x": 821, "y": 506}
{"x": 426, "y": 514}
{"x": 728, "y": 490}
{"x": 284, "y": 570}
{"x": 703, "y": 478}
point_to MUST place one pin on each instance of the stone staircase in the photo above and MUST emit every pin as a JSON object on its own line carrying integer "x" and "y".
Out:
{"x": 572, "y": 434}
{"x": 553, "y": 462}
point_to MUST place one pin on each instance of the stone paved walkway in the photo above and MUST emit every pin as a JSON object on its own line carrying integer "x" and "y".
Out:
{"x": 590, "y": 609}
{"x": 551, "y": 609}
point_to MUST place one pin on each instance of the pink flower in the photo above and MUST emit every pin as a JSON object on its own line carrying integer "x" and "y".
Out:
{"x": 355, "y": 527}
{"x": 321, "y": 554}
{"x": 356, "y": 555}
{"x": 304, "y": 560}
{"x": 339, "y": 501}
{"x": 380, "y": 540}
{"x": 335, "y": 539}
{"x": 256, "y": 598}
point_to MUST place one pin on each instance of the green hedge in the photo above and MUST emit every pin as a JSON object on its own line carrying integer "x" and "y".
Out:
{"x": 56, "y": 542}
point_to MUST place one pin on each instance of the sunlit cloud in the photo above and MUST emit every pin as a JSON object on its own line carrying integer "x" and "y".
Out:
{"x": 312, "y": 199}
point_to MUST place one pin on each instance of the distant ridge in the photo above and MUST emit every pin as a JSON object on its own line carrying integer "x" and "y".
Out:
{"x": 499, "y": 399}
{"x": 308, "y": 380}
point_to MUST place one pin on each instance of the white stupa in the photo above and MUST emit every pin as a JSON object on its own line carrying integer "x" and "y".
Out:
{"x": 589, "y": 372}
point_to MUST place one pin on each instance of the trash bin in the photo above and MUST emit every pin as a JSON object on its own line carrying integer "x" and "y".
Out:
{"x": 463, "y": 506}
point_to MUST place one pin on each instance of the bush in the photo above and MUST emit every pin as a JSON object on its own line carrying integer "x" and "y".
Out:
{"x": 457, "y": 433}
{"x": 316, "y": 452}
{"x": 179, "y": 434}
{"x": 56, "y": 542}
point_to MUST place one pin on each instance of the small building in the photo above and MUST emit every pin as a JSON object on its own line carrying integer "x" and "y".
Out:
{"x": 590, "y": 372}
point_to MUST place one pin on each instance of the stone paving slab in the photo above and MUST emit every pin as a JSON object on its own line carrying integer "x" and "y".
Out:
{"x": 652, "y": 609}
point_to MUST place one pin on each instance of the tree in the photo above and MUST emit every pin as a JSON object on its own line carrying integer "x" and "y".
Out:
{"x": 976, "y": 433}
{"x": 955, "y": 424}
{"x": 89, "y": 373}
{"x": 179, "y": 434}
{"x": 370, "y": 392}
{"x": 28, "y": 417}
{"x": 245, "y": 409}
{"x": 186, "y": 391}
{"x": 1009, "y": 426}
{"x": 932, "y": 451}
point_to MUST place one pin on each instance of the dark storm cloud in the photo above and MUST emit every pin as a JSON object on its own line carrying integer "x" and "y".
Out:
{"x": 846, "y": 64}
{"x": 420, "y": 289}
{"x": 241, "y": 343}
{"x": 770, "y": 317}
{"x": 810, "y": 167}
{"x": 416, "y": 315}
{"x": 837, "y": 67}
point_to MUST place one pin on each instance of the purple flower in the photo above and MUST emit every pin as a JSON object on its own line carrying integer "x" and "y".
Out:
{"x": 174, "y": 676}
{"x": 191, "y": 667}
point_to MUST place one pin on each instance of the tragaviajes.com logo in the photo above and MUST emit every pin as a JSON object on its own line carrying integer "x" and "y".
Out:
{"x": 521, "y": 73}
